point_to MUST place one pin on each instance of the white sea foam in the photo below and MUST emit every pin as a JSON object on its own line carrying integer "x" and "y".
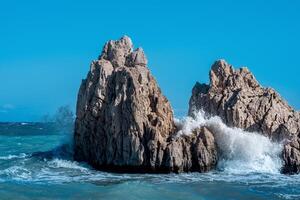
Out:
{"x": 17, "y": 172}
{"x": 9, "y": 157}
{"x": 60, "y": 163}
{"x": 240, "y": 151}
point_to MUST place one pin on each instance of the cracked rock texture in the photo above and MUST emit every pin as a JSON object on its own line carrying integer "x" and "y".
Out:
{"x": 236, "y": 96}
{"x": 125, "y": 124}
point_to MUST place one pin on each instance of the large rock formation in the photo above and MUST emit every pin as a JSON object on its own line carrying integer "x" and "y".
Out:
{"x": 124, "y": 123}
{"x": 240, "y": 101}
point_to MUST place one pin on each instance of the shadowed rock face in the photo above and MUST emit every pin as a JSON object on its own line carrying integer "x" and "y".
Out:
{"x": 125, "y": 124}
{"x": 240, "y": 101}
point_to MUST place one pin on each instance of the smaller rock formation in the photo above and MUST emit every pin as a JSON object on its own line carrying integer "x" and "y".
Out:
{"x": 241, "y": 102}
{"x": 291, "y": 156}
{"x": 125, "y": 124}
{"x": 195, "y": 152}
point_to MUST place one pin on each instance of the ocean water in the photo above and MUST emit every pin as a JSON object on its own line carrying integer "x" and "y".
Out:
{"x": 35, "y": 164}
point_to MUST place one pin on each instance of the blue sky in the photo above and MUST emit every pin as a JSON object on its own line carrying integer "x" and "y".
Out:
{"x": 47, "y": 46}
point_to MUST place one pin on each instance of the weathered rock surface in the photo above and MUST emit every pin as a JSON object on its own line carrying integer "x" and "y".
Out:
{"x": 124, "y": 123}
{"x": 291, "y": 156}
{"x": 240, "y": 101}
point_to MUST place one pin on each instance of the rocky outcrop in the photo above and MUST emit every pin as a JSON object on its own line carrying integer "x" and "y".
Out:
{"x": 193, "y": 152}
{"x": 291, "y": 156}
{"x": 240, "y": 101}
{"x": 125, "y": 124}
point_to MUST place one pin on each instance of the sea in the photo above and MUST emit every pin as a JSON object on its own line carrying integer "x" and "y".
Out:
{"x": 36, "y": 163}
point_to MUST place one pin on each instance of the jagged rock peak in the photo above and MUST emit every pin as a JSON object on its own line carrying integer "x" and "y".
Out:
{"x": 125, "y": 123}
{"x": 137, "y": 57}
{"x": 120, "y": 53}
{"x": 223, "y": 75}
{"x": 236, "y": 97}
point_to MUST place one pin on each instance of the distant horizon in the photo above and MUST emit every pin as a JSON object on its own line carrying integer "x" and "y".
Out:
{"x": 47, "y": 47}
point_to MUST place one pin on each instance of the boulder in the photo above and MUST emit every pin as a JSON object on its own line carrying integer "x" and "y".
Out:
{"x": 291, "y": 156}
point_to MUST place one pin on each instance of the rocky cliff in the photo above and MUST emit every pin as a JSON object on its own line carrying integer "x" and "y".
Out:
{"x": 237, "y": 97}
{"x": 125, "y": 124}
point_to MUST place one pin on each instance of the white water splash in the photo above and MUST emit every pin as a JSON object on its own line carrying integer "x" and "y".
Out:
{"x": 240, "y": 151}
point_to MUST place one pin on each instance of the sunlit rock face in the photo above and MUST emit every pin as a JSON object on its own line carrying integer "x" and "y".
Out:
{"x": 236, "y": 96}
{"x": 125, "y": 124}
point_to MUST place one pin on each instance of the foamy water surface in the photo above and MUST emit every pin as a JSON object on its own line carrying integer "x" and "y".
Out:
{"x": 31, "y": 166}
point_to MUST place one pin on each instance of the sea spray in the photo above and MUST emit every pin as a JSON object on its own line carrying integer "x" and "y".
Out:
{"x": 64, "y": 123}
{"x": 240, "y": 151}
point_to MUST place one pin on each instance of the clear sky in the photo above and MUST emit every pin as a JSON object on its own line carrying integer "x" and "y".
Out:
{"x": 46, "y": 46}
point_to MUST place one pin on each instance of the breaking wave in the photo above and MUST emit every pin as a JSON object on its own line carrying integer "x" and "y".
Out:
{"x": 240, "y": 151}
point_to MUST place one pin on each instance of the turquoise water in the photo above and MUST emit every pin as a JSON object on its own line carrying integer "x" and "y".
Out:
{"x": 32, "y": 166}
